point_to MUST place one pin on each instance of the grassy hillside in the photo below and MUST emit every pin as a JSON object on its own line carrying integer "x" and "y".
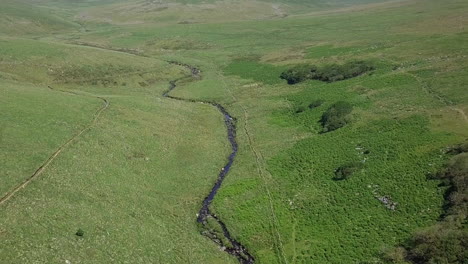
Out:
{"x": 135, "y": 180}
{"x": 21, "y": 18}
{"x": 198, "y": 11}
{"x": 123, "y": 169}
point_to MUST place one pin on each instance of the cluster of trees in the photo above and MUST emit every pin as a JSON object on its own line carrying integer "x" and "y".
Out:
{"x": 446, "y": 241}
{"x": 336, "y": 116}
{"x": 327, "y": 73}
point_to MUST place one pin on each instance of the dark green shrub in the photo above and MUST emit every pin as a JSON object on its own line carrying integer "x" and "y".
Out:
{"x": 458, "y": 149}
{"x": 440, "y": 243}
{"x": 455, "y": 175}
{"x": 328, "y": 73}
{"x": 80, "y": 232}
{"x": 336, "y": 72}
{"x": 300, "y": 109}
{"x": 345, "y": 171}
{"x": 336, "y": 116}
{"x": 312, "y": 105}
{"x": 298, "y": 74}
{"x": 315, "y": 104}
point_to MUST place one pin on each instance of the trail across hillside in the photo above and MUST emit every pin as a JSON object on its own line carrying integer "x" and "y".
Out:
{"x": 439, "y": 97}
{"x": 54, "y": 155}
{"x": 205, "y": 216}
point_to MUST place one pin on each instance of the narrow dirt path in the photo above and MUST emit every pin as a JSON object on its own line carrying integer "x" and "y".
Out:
{"x": 461, "y": 112}
{"x": 260, "y": 164}
{"x": 442, "y": 99}
{"x": 293, "y": 239}
{"x": 54, "y": 155}
{"x": 205, "y": 217}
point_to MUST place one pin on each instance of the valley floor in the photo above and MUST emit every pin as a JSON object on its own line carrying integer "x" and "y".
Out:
{"x": 89, "y": 141}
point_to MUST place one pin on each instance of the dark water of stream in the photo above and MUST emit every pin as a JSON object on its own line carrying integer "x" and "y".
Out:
{"x": 224, "y": 239}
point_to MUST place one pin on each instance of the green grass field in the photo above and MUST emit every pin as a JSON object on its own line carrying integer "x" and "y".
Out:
{"x": 135, "y": 180}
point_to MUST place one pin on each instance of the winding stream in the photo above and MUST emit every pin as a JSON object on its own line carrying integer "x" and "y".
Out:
{"x": 205, "y": 216}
